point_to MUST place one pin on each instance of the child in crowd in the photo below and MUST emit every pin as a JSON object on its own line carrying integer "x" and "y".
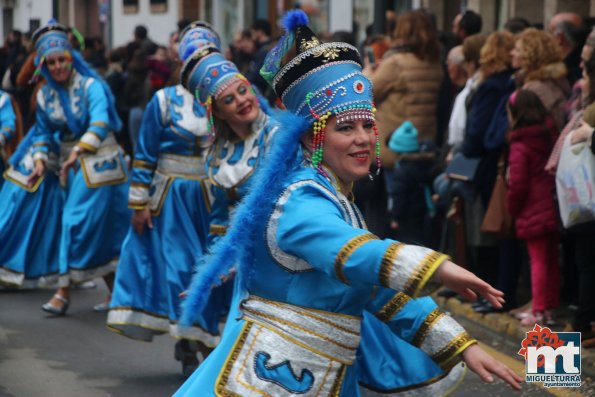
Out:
{"x": 530, "y": 200}
{"x": 410, "y": 198}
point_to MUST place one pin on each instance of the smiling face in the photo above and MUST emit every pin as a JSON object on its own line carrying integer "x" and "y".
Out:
{"x": 59, "y": 65}
{"x": 349, "y": 148}
{"x": 238, "y": 106}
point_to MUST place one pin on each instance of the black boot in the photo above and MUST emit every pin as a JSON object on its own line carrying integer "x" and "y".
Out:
{"x": 185, "y": 352}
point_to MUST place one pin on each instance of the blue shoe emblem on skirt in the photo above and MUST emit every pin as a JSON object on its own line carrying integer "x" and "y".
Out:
{"x": 106, "y": 165}
{"x": 282, "y": 374}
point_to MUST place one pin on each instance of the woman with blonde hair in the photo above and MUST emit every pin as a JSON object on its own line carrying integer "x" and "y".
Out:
{"x": 542, "y": 71}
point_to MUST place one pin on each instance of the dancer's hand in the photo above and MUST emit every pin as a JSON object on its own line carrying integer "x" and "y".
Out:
{"x": 69, "y": 163}
{"x": 37, "y": 173}
{"x": 484, "y": 365}
{"x": 140, "y": 218}
{"x": 467, "y": 284}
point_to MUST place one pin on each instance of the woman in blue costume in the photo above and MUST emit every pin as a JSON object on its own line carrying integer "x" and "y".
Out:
{"x": 8, "y": 126}
{"x": 30, "y": 220}
{"x": 230, "y": 166}
{"x": 302, "y": 252}
{"x": 170, "y": 199}
{"x": 241, "y": 129}
{"x": 77, "y": 104}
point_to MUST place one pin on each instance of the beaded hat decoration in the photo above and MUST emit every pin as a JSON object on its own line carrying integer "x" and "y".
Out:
{"x": 49, "y": 39}
{"x": 316, "y": 80}
{"x": 197, "y": 35}
{"x": 207, "y": 73}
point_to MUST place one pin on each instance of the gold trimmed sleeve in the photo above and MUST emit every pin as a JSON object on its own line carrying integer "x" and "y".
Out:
{"x": 409, "y": 268}
{"x": 426, "y": 326}
{"x": 219, "y": 230}
{"x": 90, "y": 141}
{"x": 345, "y": 252}
{"x": 392, "y": 307}
{"x": 138, "y": 195}
{"x": 450, "y": 355}
{"x": 442, "y": 338}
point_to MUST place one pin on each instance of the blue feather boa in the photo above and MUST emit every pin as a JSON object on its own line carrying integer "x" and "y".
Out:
{"x": 236, "y": 248}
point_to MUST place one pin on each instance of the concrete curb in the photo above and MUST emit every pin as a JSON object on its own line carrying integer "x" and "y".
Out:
{"x": 508, "y": 327}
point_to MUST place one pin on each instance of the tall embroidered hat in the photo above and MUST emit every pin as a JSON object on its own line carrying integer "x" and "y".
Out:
{"x": 316, "y": 80}
{"x": 195, "y": 36}
{"x": 205, "y": 72}
{"x": 51, "y": 38}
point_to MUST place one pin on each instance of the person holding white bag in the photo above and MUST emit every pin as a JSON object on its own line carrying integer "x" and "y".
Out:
{"x": 585, "y": 232}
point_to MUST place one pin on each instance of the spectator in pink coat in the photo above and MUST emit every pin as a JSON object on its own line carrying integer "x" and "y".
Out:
{"x": 530, "y": 199}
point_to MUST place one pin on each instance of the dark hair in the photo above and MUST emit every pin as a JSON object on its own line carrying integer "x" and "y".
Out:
{"x": 263, "y": 25}
{"x": 526, "y": 109}
{"x": 590, "y": 71}
{"x": 574, "y": 35}
{"x": 470, "y": 22}
{"x": 246, "y": 34}
{"x": 344, "y": 37}
{"x": 516, "y": 25}
{"x": 182, "y": 23}
{"x": 140, "y": 31}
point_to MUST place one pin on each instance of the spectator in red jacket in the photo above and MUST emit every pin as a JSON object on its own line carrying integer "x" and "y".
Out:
{"x": 530, "y": 199}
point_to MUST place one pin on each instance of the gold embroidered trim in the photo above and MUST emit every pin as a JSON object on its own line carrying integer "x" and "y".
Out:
{"x": 444, "y": 357}
{"x": 99, "y": 124}
{"x": 388, "y": 262}
{"x": 145, "y": 165}
{"x": 140, "y": 184}
{"x": 423, "y": 331}
{"x": 307, "y": 313}
{"x": 87, "y": 147}
{"x": 38, "y": 144}
{"x": 346, "y": 252}
{"x": 423, "y": 272}
{"x": 225, "y": 373}
{"x": 219, "y": 230}
{"x": 297, "y": 326}
{"x": 392, "y": 307}
{"x": 137, "y": 205}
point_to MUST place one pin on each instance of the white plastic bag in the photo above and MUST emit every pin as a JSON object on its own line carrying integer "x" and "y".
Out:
{"x": 575, "y": 179}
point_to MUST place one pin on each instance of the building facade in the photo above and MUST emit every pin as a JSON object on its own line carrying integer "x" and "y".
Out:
{"x": 114, "y": 20}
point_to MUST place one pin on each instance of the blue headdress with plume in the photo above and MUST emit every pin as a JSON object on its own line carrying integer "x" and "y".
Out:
{"x": 53, "y": 38}
{"x": 302, "y": 71}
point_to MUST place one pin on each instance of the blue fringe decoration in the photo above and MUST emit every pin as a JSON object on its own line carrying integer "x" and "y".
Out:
{"x": 236, "y": 248}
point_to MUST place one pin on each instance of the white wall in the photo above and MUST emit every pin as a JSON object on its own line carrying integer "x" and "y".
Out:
{"x": 159, "y": 25}
{"x": 340, "y": 15}
{"x": 30, "y": 9}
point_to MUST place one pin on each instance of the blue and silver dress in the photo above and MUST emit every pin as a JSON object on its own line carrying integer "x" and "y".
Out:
{"x": 169, "y": 178}
{"x": 8, "y": 120}
{"x": 313, "y": 262}
{"x": 30, "y": 222}
{"x": 95, "y": 218}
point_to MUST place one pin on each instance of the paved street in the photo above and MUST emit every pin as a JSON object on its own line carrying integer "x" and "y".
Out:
{"x": 77, "y": 356}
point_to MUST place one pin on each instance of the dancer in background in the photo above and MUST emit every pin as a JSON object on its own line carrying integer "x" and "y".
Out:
{"x": 170, "y": 199}
{"x": 77, "y": 105}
